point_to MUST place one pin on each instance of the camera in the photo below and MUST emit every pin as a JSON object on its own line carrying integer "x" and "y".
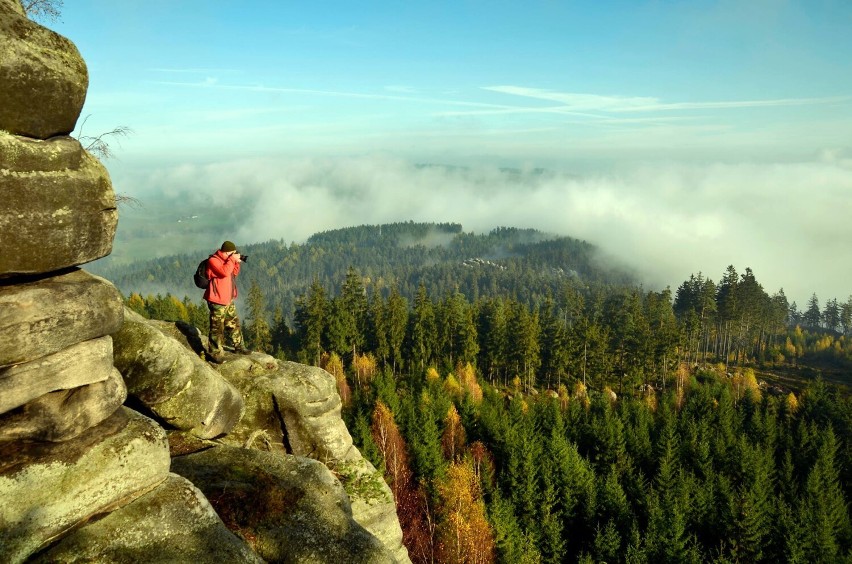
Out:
{"x": 244, "y": 258}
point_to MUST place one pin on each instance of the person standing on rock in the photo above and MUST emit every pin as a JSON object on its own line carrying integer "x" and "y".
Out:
{"x": 223, "y": 267}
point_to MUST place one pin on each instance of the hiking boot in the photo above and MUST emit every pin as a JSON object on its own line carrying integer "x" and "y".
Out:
{"x": 241, "y": 350}
{"x": 215, "y": 358}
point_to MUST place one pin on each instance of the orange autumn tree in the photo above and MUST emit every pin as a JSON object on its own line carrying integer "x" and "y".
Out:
{"x": 464, "y": 535}
{"x": 410, "y": 499}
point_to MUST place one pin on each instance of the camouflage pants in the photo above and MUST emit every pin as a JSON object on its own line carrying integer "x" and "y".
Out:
{"x": 224, "y": 323}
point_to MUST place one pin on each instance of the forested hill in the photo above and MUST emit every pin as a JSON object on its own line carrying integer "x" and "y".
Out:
{"x": 524, "y": 264}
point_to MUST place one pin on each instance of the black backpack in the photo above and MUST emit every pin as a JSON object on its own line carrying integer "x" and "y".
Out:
{"x": 200, "y": 276}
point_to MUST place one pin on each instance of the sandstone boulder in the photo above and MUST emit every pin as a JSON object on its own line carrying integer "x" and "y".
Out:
{"x": 84, "y": 363}
{"x": 287, "y": 397}
{"x": 172, "y": 523}
{"x": 43, "y": 78}
{"x": 290, "y": 509}
{"x": 58, "y": 207}
{"x": 49, "y": 488}
{"x": 174, "y": 383}
{"x": 295, "y": 408}
{"x": 64, "y": 414}
{"x": 44, "y": 316}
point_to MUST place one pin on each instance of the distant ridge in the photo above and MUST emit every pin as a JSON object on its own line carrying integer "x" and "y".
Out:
{"x": 530, "y": 264}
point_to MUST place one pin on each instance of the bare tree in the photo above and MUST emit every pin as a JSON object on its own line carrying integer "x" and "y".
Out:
{"x": 100, "y": 147}
{"x": 43, "y": 10}
{"x": 98, "y": 144}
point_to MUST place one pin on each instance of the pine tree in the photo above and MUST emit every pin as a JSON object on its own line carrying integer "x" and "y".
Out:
{"x": 422, "y": 329}
{"x": 258, "y": 331}
{"x": 812, "y": 316}
{"x": 756, "y": 510}
{"x": 352, "y": 311}
{"x": 396, "y": 318}
{"x": 554, "y": 345}
{"x": 491, "y": 328}
{"x": 511, "y": 542}
{"x": 311, "y": 321}
{"x": 824, "y": 510}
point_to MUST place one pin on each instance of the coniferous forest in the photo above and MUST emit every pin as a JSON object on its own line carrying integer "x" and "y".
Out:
{"x": 529, "y": 404}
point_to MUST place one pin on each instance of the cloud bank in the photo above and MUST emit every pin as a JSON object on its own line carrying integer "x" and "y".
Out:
{"x": 789, "y": 222}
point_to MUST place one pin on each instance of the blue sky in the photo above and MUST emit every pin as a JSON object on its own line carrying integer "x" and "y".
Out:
{"x": 681, "y": 136}
{"x": 550, "y": 81}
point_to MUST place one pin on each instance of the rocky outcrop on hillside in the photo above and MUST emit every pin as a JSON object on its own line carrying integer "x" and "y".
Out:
{"x": 288, "y": 410}
{"x": 85, "y": 478}
{"x": 70, "y": 452}
{"x": 182, "y": 390}
{"x": 292, "y": 508}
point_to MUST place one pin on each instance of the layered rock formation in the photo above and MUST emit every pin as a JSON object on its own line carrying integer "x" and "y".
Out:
{"x": 84, "y": 478}
{"x": 69, "y": 451}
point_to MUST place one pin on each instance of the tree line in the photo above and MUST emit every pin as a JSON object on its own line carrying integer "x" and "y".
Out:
{"x": 621, "y": 336}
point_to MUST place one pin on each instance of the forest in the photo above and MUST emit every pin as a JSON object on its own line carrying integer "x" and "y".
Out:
{"x": 562, "y": 413}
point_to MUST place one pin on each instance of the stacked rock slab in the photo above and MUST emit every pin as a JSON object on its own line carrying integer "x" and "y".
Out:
{"x": 69, "y": 451}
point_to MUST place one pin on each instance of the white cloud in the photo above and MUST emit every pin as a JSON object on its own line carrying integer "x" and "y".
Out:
{"x": 594, "y": 102}
{"x": 788, "y": 222}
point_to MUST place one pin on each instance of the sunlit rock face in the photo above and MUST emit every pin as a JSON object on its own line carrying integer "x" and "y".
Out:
{"x": 85, "y": 363}
{"x": 48, "y": 488}
{"x": 58, "y": 206}
{"x": 43, "y": 78}
{"x": 172, "y": 523}
{"x": 175, "y": 384}
{"x": 44, "y": 316}
{"x": 70, "y": 453}
{"x": 64, "y": 414}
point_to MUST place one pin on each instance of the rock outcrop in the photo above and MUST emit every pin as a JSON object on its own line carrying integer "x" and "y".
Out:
{"x": 59, "y": 207}
{"x": 172, "y": 523}
{"x": 291, "y": 508}
{"x": 180, "y": 388}
{"x": 289, "y": 410}
{"x": 69, "y": 452}
{"x": 64, "y": 414}
{"x": 83, "y": 477}
{"x": 48, "y": 489}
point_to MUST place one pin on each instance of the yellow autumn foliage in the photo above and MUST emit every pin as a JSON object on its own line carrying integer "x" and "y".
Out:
{"x": 364, "y": 366}
{"x": 464, "y": 533}
{"x": 467, "y": 380}
{"x": 452, "y": 387}
{"x": 792, "y": 402}
{"x": 332, "y": 364}
{"x": 432, "y": 375}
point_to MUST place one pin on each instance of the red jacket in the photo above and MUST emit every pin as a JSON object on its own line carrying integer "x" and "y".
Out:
{"x": 221, "y": 271}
